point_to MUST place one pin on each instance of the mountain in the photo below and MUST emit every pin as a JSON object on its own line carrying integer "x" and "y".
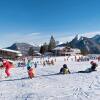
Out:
{"x": 23, "y": 47}
{"x": 74, "y": 42}
{"x": 87, "y": 45}
{"x": 96, "y": 39}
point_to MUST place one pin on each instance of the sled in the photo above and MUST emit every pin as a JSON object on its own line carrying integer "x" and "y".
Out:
{"x": 31, "y": 73}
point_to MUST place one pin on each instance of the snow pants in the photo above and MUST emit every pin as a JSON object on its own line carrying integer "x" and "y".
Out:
{"x": 31, "y": 73}
{"x": 7, "y": 72}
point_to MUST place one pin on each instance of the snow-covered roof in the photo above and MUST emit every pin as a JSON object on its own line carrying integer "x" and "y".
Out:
{"x": 61, "y": 48}
{"x": 76, "y": 50}
{"x": 58, "y": 48}
{"x": 36, "y": 52}
{"x": 14, "y": 51}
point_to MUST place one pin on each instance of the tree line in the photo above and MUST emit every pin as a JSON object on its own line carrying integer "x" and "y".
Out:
{"x": 45, "y": 47}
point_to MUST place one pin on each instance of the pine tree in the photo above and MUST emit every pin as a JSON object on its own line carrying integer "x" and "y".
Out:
{"x": 44, "y": 48}
{"x": 31, "y": 51}
{"x": 52, "y": 44}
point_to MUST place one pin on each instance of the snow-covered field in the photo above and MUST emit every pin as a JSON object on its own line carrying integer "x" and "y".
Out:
{"x": 48, "y": 86}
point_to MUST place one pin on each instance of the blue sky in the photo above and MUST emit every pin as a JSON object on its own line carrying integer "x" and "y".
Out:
{"x": 34, "y": 21}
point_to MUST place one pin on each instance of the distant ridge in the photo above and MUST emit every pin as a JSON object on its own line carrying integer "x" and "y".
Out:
{"x": 23, "y": 47}
{"x": 87, "y": 45}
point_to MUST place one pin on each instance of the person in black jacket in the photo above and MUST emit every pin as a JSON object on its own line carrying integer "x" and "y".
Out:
{"x": 93, "y": 66}
{"x": 91, "y": 69}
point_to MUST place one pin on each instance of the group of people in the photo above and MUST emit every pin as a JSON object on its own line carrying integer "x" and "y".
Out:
{"x": 5, "y": 64}
{"x": 48, "y": 62}
{"x": 65, "y": 69}
{"x": 31, "y": 71}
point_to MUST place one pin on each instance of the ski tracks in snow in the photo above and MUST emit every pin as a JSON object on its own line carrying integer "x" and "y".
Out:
{"x": 48, "y": 85}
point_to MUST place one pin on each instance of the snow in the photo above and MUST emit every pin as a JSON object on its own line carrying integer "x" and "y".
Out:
{"x": 47, "y": 85}
{"x": 12, "y": 51}
{"x": 59, "y": 48}
{"x": 9, "y": 50}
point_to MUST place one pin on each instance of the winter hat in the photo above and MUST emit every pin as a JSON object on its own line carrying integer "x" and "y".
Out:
{"x": 91, "y": 62}
{"x": 65, "y": 66}
{"x": 4, "y": 61}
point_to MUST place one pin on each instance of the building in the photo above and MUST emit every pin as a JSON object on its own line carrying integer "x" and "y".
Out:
{"x": 9, "y": 54}
{"x": 36, "y": 53}
{"x": 65, "y": 51}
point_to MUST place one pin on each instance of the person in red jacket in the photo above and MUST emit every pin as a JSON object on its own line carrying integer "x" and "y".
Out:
{"x": 7, "y": 65}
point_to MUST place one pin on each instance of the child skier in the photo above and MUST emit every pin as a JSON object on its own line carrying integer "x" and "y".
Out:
{"x": 31, "y": 71}
{"x": 7, "y": 65}
{"x": 93, "y": 68}
{"x": 64, "y": 70}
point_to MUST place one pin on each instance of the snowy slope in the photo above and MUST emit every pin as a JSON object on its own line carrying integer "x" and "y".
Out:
{"x": 49, "y": 86}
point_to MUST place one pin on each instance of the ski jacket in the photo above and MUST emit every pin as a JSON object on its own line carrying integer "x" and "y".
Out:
{"x": 29, "y": 65}
{"x": 94, "y": 65}
{"x": 7, "y": 64}
{"x": 64, "y": 71}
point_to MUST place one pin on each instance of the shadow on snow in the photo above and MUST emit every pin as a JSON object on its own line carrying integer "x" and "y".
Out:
{"x": 8, "y": 80}
{"x": 25, "y": 78}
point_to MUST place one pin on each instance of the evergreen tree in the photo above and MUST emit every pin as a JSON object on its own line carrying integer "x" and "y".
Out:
{"x": 52, "y": 44}
{"x": 67, "y": 44}
{"x": 31, "y": 51}
{"x": 44, "y": 48}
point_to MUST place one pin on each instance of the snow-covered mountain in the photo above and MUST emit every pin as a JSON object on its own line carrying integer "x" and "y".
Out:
{"x": 96, "y": 39}
{"x": 23, "y": 47}
{"x": 87, "y": 45}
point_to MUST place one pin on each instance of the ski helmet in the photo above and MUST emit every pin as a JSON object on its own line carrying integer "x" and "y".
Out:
{"x": 91, "y": 62}
{"x": 65, "y": 66}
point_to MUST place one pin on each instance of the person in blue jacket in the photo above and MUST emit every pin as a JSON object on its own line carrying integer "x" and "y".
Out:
{"x": 29, "y": 64}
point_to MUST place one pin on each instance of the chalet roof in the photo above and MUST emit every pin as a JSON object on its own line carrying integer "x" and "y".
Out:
{"x": 8, "y": 50}
{"x": 59, "y": 48}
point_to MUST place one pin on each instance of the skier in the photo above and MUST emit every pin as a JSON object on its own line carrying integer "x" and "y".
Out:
{"x": 55, "y": 59}
{"x": 64, "y": 59}
{"x": 93, "y": 68}
{"x": 31, "y": 71}
{"x": 44, "y": 64}
{"x": 35, "y": 64}
{"x": 52, "y": 62}
{"x": 98, "y": 59}
{"x": 7, "y": 65}
{"x": 64, "y": 70}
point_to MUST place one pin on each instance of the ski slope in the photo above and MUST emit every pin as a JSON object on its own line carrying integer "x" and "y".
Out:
{"x": 47, "y": 85}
